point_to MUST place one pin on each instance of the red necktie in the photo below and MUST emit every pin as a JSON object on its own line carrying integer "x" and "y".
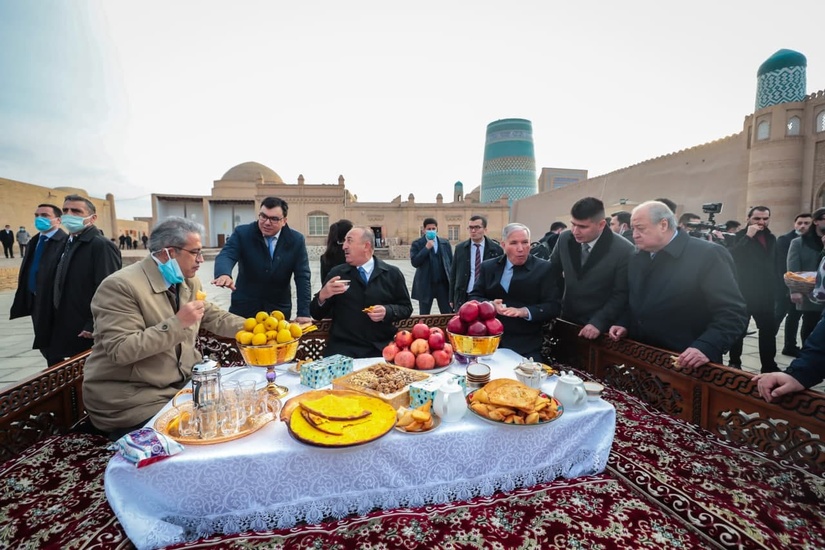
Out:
{"x": 478, "y": 262}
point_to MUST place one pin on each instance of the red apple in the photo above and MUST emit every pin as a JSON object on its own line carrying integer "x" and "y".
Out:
{"x": 425, "y": 361}
{"x": 477, "y": 329}
{"x": 389, "y": 352}
{"x": 494, "y": 326}
{"x": 403, "y": 339}
{"x": 456, "y": 325}
{"x": 419, "y": 346}
{"x": 442, "y": 358}
{"x": 468, "y": 311}
{"x": 449, "y": 349}
{"x": 436, "y": 340}
{"x": 486, "y": 310}
{"x": 420, "y": 330}
{"x": 434, "y": 330}
{"x": 405, "y": 358}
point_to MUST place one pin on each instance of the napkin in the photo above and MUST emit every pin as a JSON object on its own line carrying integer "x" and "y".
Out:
{"x": 146, "y": 446}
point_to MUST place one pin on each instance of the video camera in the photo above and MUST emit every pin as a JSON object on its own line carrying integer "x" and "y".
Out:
{"x": 702, "y": 229}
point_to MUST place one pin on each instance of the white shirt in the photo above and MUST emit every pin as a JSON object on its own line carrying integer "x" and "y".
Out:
{"x": 472, "y": 282}
{"x": 369, "y": 266}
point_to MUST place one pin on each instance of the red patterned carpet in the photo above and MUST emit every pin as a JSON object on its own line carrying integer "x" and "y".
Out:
{"x": 668, "y": 485}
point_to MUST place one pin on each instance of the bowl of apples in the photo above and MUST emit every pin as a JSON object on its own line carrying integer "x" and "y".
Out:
{"x": 422, "y": 348}
{"x": 475, "y": 331}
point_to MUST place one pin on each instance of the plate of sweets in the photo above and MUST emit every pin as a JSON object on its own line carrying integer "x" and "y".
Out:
{"x": 423, "y": 348}
{"x": 416, "y": 421}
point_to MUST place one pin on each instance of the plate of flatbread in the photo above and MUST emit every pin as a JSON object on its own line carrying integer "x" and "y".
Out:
{"x": 507, "y": 401}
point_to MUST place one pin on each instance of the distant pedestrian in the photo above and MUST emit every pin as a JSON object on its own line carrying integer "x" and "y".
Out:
{"x": 7, "y": 238}
{"x": 122, "y": 240}
{"x": 23, "y": 239}
{"x": 145, "y": 240}
{"x": 128, "y": 242}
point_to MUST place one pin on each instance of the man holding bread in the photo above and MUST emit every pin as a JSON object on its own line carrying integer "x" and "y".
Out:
{"x": 146, "y": 320}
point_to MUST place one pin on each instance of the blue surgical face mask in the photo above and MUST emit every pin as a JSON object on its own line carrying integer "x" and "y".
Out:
{"x": 170, "y": 270}
{"x": 72, "y": 223}
{"x": 431, "y": 233}
{"x": 42, "y": 224}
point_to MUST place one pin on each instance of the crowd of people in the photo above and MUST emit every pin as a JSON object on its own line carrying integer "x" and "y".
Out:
{"x": 639, "y": 274}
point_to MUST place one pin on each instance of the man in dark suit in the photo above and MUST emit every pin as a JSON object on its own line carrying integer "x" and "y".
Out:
{"x": 7, "y": 238}
{"x": 521, "y": 288}
{"x": 467, "y": 260}
{"x": 269, "y": 254}
{"x": 87, "y": 259}
{"x": 589, "y": 268}
{"x": 754, "y": 254}
{"x": 620, "y": 224}
{"x": 363, "y": 297}
{"x": 785, "y": 309}
{"x": 432, "y": 258}
{"x": 36, "y": 277}
{"x": 683, "y": 292}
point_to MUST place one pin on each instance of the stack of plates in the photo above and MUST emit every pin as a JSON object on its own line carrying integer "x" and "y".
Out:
{"x": 478, "y": 374}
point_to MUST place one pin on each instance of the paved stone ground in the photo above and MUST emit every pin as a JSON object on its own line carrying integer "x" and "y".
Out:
{"x": 19, "y": 361}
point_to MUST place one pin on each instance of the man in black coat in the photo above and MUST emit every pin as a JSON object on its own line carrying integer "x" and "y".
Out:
{"x": 589, "y": 269}
{"x": 683, "y": 292}
{"x": 785, "y": 309}
{"x": 35, "y": 281}
{"x": 467, "y": 260}
{"x": 87, "y": 259}
{"x": 521, "y": 288}
{"x": 754, "y": 253}
{"x": 7, "y": 238}
{"x": 432, "y": 258}
{"x": 363, "y": 297}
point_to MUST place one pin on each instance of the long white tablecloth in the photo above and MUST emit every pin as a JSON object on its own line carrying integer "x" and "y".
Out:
{"x": 268, "y": 480}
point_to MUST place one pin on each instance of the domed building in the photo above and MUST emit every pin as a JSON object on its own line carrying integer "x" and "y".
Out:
{"x": 236, "y": 197}
{"x": 777, "y": 160}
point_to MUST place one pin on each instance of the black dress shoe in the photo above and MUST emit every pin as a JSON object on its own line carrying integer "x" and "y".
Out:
{"x": 791, "y": 352}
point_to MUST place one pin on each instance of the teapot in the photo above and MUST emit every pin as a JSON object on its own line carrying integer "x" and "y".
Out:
{"x": 206, "y": 383}
{"x": 530, "y": 373}
{"x": 449, "y": 403}
{"x": 570, "y": 391}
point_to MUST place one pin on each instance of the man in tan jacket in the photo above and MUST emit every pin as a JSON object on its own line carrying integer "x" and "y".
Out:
{"x": 146, "y": 321}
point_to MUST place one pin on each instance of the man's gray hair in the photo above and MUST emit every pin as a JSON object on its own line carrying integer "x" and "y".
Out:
{"x": 173, "y": 232}
{"x": 658, "y": 211}
{"x": 511, "y": 227}
{"x": 368, "y": 236}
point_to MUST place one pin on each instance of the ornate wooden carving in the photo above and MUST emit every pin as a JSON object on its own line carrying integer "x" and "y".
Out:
{"x": 646, "y": 386}
{"x": 777, "y": 438}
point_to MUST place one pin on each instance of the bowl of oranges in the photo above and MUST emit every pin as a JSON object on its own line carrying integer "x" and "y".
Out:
{"x": 268, "y": 339}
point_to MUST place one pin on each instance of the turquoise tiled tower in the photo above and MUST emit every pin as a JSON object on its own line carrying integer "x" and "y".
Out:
{"x": 781, "y": 79}
{"x": 509, "y": 161}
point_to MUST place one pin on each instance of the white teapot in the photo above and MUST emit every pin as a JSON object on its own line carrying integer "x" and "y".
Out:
{"x": 450, "y": 404}
{"x": 570, "y": 391}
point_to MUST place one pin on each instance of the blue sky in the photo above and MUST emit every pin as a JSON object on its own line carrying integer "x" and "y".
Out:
{"x": 134, "y": 97}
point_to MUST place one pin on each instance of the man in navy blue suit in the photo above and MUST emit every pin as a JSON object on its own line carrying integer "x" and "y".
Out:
{"x": 432, "y": 258}
{"x": 269, "y": 254}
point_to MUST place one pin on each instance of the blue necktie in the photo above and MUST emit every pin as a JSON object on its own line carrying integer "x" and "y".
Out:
{"x": 363, "y": 273}
{"x": 38, "y": 252}
{"x": 270, "y": 241}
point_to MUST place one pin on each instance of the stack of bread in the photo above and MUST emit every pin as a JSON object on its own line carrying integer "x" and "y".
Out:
{"x": 511, "y": 402}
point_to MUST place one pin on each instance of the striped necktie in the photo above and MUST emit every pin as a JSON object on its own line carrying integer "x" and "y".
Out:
{"x": 477, "y": 262}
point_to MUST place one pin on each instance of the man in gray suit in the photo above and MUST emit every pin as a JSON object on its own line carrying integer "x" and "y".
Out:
{"x": 589, "y": 268}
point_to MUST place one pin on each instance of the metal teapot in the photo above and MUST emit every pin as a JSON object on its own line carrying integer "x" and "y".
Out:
{"x": 570, "y": 391}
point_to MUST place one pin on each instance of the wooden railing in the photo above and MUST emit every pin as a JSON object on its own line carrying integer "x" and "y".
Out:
{"x": 715, "y": 397}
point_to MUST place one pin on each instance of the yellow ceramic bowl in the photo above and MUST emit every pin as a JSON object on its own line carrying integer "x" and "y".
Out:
{"x": 474, "y": 346}
{"x": 269, "y": 354}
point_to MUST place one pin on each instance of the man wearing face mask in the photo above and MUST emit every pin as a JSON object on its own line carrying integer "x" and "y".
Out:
{"x": 86, "y": 260}
{"x": 432, "y": 258}
{"x": 36, "y": 277}
{"x": 147, "y": 317}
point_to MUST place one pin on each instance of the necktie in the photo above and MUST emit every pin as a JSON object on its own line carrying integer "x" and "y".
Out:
{"x": 585, "y": 252}
{"x": 477, "y": 262}
{"x": 363, "y": 273}
{"x": 38, "y": 252}
{"x": 58, "y": 276}
{"x": 271, "y": 241}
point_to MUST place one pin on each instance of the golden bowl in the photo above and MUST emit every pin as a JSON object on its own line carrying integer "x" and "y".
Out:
{"x": 474, "y": 346}
{"x": 269, "y": 354}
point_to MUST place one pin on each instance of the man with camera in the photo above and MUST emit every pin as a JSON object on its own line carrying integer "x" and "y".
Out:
{"x": 754, "y": 253}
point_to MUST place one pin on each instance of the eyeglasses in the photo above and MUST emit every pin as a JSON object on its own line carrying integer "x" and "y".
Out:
{"x": 196, "y": 253}
{"x": 274, "y": 219}
{"x": 474, "y": 227}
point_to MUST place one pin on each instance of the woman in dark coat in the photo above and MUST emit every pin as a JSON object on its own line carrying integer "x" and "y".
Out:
{"x": 334, "y": 254}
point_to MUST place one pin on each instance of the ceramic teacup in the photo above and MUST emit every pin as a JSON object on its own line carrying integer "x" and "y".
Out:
{"x": 594, "y": 390}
